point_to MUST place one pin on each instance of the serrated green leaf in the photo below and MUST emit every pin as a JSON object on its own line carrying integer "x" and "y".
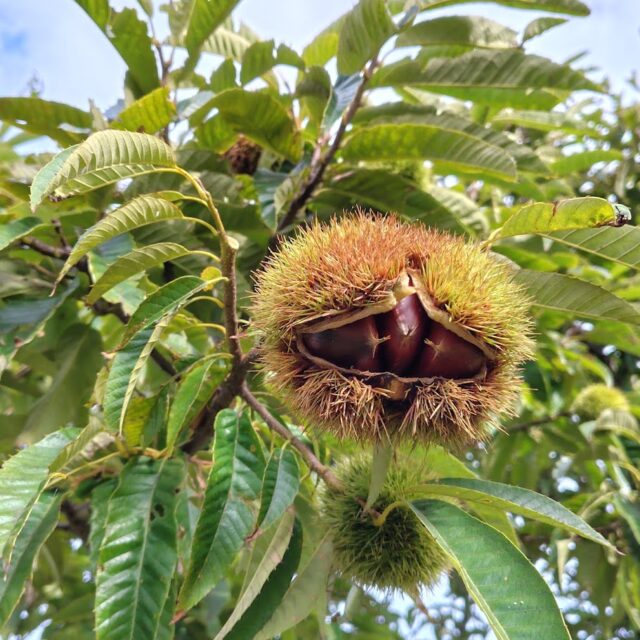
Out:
{"x": 539, "y": 26}
{"x": 203, "y": 20}
{"x": 262, "y": 118}
{"x": 227, "y": 43}
{"x": 543, "y": 121}
{"x": 272, "y": 557}
{"x": 516, "y": 500}
{"x": 224, "y": 77}
{"x": 99, "y": 508}
{"x": 129, "y": 36}
{"x": 498, "y": 78}
{"x": 124, "y": 372}
{"x": 189, "y": 399}
{"x": 137, "y": 213}
{"x": 38, "y": 527}
{"x": 138, "y": 553}
{"x": 286, "y": 55}
{"x": 575, "y": 213}
{"x": 445, "y": 464}
{"x": 166, "y": 300}
{"x": 364, "y": 30}
{"x": 511, "y": 593}
{"x": 149, "y": 114}
{"x": 464, "y": 32}
{"x": 279, "y": 487}
{"x": 618, "y": 244}
{"x": 44, "y": 177}
{"x": 454, "y": 150}
{"x": 566, "y": 294}
{"x": 83, "y": 448}
{"x": 16, "y": 229}
{"x": 103, "y": 158}
{"x": 569, "y": 7}
{"x": 257, "y": 60}
{"x": 135, "y": 262}
{"x": 271, "y": 594}
{"x": 402, "y": 113}
{"x": 22, "y": 478}
{"x": 314, "y": 90}
{"x": 226, "y": 517}
{"x": 43, "y": 117}
{"x": 325, "y": 45}
{"x": 303, "y": 594}
{"x": 584, "y": 160}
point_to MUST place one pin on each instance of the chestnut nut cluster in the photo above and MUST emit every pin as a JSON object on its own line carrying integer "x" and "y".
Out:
{"x": 403, "y": 341}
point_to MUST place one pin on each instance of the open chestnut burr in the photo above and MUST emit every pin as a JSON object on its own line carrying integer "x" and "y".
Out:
{"x": 374, "y": 328}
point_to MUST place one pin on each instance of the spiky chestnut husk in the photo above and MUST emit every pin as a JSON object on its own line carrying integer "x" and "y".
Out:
{"x": 243, "y": 156}
{"x": 400, "y": 553}
{"x": 470, "y": 319}
{"x": 596, "y": 398}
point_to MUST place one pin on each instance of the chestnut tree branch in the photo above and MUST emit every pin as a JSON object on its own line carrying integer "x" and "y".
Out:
{"x": 310, "y": 458}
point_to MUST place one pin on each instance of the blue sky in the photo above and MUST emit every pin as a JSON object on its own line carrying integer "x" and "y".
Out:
{"x": 54, "y": 41}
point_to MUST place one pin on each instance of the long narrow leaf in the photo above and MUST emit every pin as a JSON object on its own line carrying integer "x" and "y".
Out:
{"x": 226, "y": 517}
{"x": 137, "y": 213}
{"x": 38, "y": 527}
{"x": 516, "y": 500}
{"x": 138, "y": 553}
{"x": 506, "y": 586}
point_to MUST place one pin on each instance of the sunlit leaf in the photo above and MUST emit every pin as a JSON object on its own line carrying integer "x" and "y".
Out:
{"x": 64, "y": 123}
{"x": 136, "y": 213}
{"x": 498, "y": 78}
{"x": 461, "y": 32}
{"x": 575, "y": 213}
{"x": 262, "y": 118}
{"x": 104, "y": 158}
{"x": 133, "y": 263}
{"x": 364, "y": 30}
{"x": 149, "y": 114}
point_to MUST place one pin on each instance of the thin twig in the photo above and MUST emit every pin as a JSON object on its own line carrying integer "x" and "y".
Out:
{"x": 320, "y": 162}
{"x": 225, "y": 393}
{"x": 310, "y": 458}
{"x": 524, "y": 426}
{"x": 78, "y": 518}
{"x": 46, "y": 249}
{"x": 228, "y": 267}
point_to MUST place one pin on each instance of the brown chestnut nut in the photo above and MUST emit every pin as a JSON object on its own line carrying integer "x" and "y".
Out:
{"x": 351, "y": 346}
{"x": 406, "y": 327}
{"x": 447, "y": 355}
